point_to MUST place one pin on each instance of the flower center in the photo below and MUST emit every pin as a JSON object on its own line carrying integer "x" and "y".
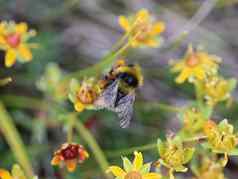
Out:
{"x": 13, "y": 40}
{"x": 192, "y": 60}
{"x": 142, "y": 30}
{"x": 86, "y": 96}
{"x": 70, "y": 152}
{"x": 133, "y": 175}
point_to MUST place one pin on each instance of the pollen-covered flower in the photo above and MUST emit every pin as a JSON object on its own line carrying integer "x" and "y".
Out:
{"x": 195, "y": 66}
{"x": 16, "y": 173}
{"x": 135, "y": 170}
{"x": 70, "y": 155}
{"x": 83, "y": 94}
{"x": 221, "y": 137}
{"x": 217, "y": 89}
{"x": 173, "y": 154}
{"x": 14, "y": 39}
{"x": 209, "y": 169}
{"x": 141, "y": 29}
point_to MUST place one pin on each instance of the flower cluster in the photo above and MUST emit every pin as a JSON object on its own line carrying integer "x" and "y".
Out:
{"x": 14, "y": 39}
{"x": 70, "y": 155}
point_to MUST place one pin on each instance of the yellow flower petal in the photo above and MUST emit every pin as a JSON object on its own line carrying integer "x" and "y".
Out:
{"x": 10, "y": 57}
{"x": 199, "y": 73}
{"x": 151, "y": 43}
{"x": 143, "y": 15}
{"x": 79, "y": 106}
{"x": 25, "y": 52}
{"x": 124, "y": 23}
{"x": 183, "y": 76}
{"x": 21, "y": 28}
{"x": 178, "y": 66}
{"x": 134, "y": 43}
{"x": 71, "y": 165}
{"x": 4, "y": 174}
{"x": 116, "y": 171}
{"x": 151, "y": 176}
{"x": 138, "y": 161}
{"x": 157, "y": 28}
{"x": 2, "y": 40}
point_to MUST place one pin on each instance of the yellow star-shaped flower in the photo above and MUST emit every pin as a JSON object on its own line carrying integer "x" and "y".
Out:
{"x": 141, "y": 29}
{"x": 14, "y": 40}
{"x": 135, "y": 170}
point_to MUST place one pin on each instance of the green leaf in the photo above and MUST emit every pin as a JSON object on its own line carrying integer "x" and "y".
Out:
{"x": 145, "y": 168}
{"x": 232, "y": 84}
{"x": 188, "y": 154}
{"x": 161, "y": 147}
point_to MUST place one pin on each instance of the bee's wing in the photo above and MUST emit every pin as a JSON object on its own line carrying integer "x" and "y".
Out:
{"x": 124, "y": 109}
{"x": 108, "y": 97}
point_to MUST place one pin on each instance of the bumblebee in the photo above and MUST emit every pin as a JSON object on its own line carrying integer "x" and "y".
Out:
{"x": 118, "y": 90}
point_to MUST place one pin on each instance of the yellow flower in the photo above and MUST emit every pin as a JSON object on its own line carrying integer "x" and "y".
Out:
{"x": 141, "y": 29}
{"x": 14, "y": 40}
{"x": 221, "y": 137}
{"x": 135, "y": 170}
{"x": 195, "y": 66}
{"x": 173, "y": 155}
{"x": 209, "y": 169}
{"x": 217, "y": 89}
{"x": 70, "y": 155}
{"x": 16, "y": 173}
{"x": 83, "y": 95}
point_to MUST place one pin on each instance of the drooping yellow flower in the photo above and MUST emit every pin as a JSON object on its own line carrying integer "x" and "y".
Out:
{"x": 217, "y": 89}
{"x": 70, "y": 155}
{"x": 195, "y": 66}
{"x": 16, "y": 173}
{"x": 14, "y": 40}
{"x": 221, "y": 137}
{"x": 83, "y": 94}
{"x": 135, "y": 170}
{"x": 141, "y": 29}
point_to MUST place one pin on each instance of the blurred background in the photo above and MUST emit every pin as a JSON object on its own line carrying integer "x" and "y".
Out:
{"x": 76, "y": 34}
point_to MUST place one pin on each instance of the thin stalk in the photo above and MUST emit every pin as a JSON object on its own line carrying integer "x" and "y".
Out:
{"x": 24, "y": 102}
{"x": 131, "y": 150}
{"x": 14, "y": 140}
{"x": 92, "y": 143}
{"x": 71, "y": 126}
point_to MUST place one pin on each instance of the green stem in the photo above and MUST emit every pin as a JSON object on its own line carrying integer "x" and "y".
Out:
{"x": 92, "y": 143}
{"x": 70, "y": 129}
{"x": 24, "y": 102}
{"x": 162, "y": 106}
{"x": 14, "y": 140}
{"x": 131, "y": 150}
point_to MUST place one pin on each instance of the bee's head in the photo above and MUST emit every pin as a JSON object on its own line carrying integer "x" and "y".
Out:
{"x": 131, "y": 74}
